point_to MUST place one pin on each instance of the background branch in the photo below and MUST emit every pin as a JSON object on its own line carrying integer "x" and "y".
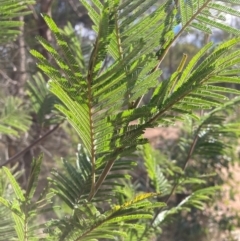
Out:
{"x": 17, "y": 155}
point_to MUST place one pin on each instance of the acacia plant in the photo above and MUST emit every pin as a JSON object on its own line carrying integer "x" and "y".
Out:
{"x": 100, "y": 94}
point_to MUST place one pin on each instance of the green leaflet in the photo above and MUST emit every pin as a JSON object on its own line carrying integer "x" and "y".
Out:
{"x": 17, "y": 190}
{"x": 11, "y": 10}
{"x": 198, "y": 14}
{"x": 14, "y": 119}
{"x": 23, "y": 207}
{"x": 102, "y": 225}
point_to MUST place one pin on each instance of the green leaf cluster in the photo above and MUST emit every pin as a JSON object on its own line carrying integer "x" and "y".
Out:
{"x": 9, "y": 12}
{"x": 23, "y": 208}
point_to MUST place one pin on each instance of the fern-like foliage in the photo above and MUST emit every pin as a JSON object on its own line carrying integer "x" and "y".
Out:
{"x": 73, "y": 186}
{"x": 102, "y": 98}
{"x": 23, "y": 207}
{"x": 100, "y": 102}
{"x": 156, "y": 172}
{"x": 215, "y": 134}
{"x": 88, "y": 223}
{"x": 207, "y": 15}
{"x": 6, "y": 223}
{"x": 94, "y": 219}
{"x": 80, "y": 51}
{"x": 10, "y": 10}
{"x": 42, "y": 101}
{"x": 14, "y": 118}
{"x": 166, "y": 181}
{"x": 211, "y": 136}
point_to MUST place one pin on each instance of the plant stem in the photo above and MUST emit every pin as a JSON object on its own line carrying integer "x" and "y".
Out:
{"x": 11, "y": 159}
{"x": 189, "y": 155}
{"x": 101, "y": 178}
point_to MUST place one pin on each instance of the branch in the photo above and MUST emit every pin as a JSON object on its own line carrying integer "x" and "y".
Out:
{"x": 11, "y": 159}
{"x": 162, "y": 56}
{"x": 101, "y": 179}
{"x": 184, "y": 169}
{"x": 189, "y": 155}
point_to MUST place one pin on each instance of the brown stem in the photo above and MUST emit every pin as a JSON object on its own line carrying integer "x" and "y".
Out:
{"x": 43, "y": 29}
{"x": 184, "y": 167}
{"x": 189, "y": 155}
{"x": 29, "y": 147}
{"x": 101, "y": 179}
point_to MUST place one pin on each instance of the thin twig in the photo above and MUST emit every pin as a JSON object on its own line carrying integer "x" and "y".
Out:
{"x": 190, "y": 152}
{"x": 29, "y": 147}
{"x": 75, "y": 7}
{"x": 184, "y": 168}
